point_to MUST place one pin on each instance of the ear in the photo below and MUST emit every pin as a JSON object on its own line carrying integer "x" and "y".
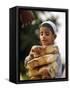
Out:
{"x": 55, "y": 36}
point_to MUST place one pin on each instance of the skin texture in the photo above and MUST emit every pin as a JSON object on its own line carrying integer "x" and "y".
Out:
{"x": 46, "y": 36}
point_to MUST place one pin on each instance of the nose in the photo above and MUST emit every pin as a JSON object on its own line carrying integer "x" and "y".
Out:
{"x": 44, "y": 37}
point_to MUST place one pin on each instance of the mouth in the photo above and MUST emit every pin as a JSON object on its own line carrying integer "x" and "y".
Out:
{"x": 44, "y": 40}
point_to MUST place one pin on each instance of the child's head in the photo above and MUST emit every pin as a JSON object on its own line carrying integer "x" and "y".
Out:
{"x": 47, "y": 33}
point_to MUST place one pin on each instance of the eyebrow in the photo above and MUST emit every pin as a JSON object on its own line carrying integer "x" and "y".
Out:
{"x": 45, "y": 31}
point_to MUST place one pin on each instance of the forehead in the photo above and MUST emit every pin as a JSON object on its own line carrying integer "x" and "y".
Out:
{"x": 45, "y": 29}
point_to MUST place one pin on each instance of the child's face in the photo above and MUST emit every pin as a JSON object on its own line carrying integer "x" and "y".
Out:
{"x": 46, "y": 36}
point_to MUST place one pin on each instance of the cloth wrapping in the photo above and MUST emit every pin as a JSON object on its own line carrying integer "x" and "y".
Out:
{"x": 39, "y": 67}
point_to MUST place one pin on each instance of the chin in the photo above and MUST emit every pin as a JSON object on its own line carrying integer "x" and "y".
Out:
{"x": 44, "y": 44}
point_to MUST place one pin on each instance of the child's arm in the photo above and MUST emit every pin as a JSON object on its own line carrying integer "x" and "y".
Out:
{"x": 38, "y": 51}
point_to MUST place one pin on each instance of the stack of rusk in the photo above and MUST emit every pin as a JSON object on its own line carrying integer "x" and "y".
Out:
{"x": 39, "y": 67}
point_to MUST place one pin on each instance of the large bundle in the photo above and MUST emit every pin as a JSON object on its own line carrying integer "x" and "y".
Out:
{"x": 40, "y": 61}
{"x": 39, "y": 67}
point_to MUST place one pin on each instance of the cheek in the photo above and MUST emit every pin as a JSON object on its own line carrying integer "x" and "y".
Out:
{"x": 51, "y": 38}
{"x": 40, "y": 37}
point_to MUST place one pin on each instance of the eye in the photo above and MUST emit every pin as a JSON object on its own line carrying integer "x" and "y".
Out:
{"x": 41, "y": 33}
{"x": 47, "y": 33}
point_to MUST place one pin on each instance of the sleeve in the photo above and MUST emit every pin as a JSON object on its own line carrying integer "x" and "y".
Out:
{"x": 59, "y": 69}
{"x": 55, "y": 68}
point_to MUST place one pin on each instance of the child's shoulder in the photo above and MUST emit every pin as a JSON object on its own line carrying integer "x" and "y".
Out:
{"x": 53, "y": 45}
{"x": 52, "y": 49}
{"x": 56, "y": 46}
